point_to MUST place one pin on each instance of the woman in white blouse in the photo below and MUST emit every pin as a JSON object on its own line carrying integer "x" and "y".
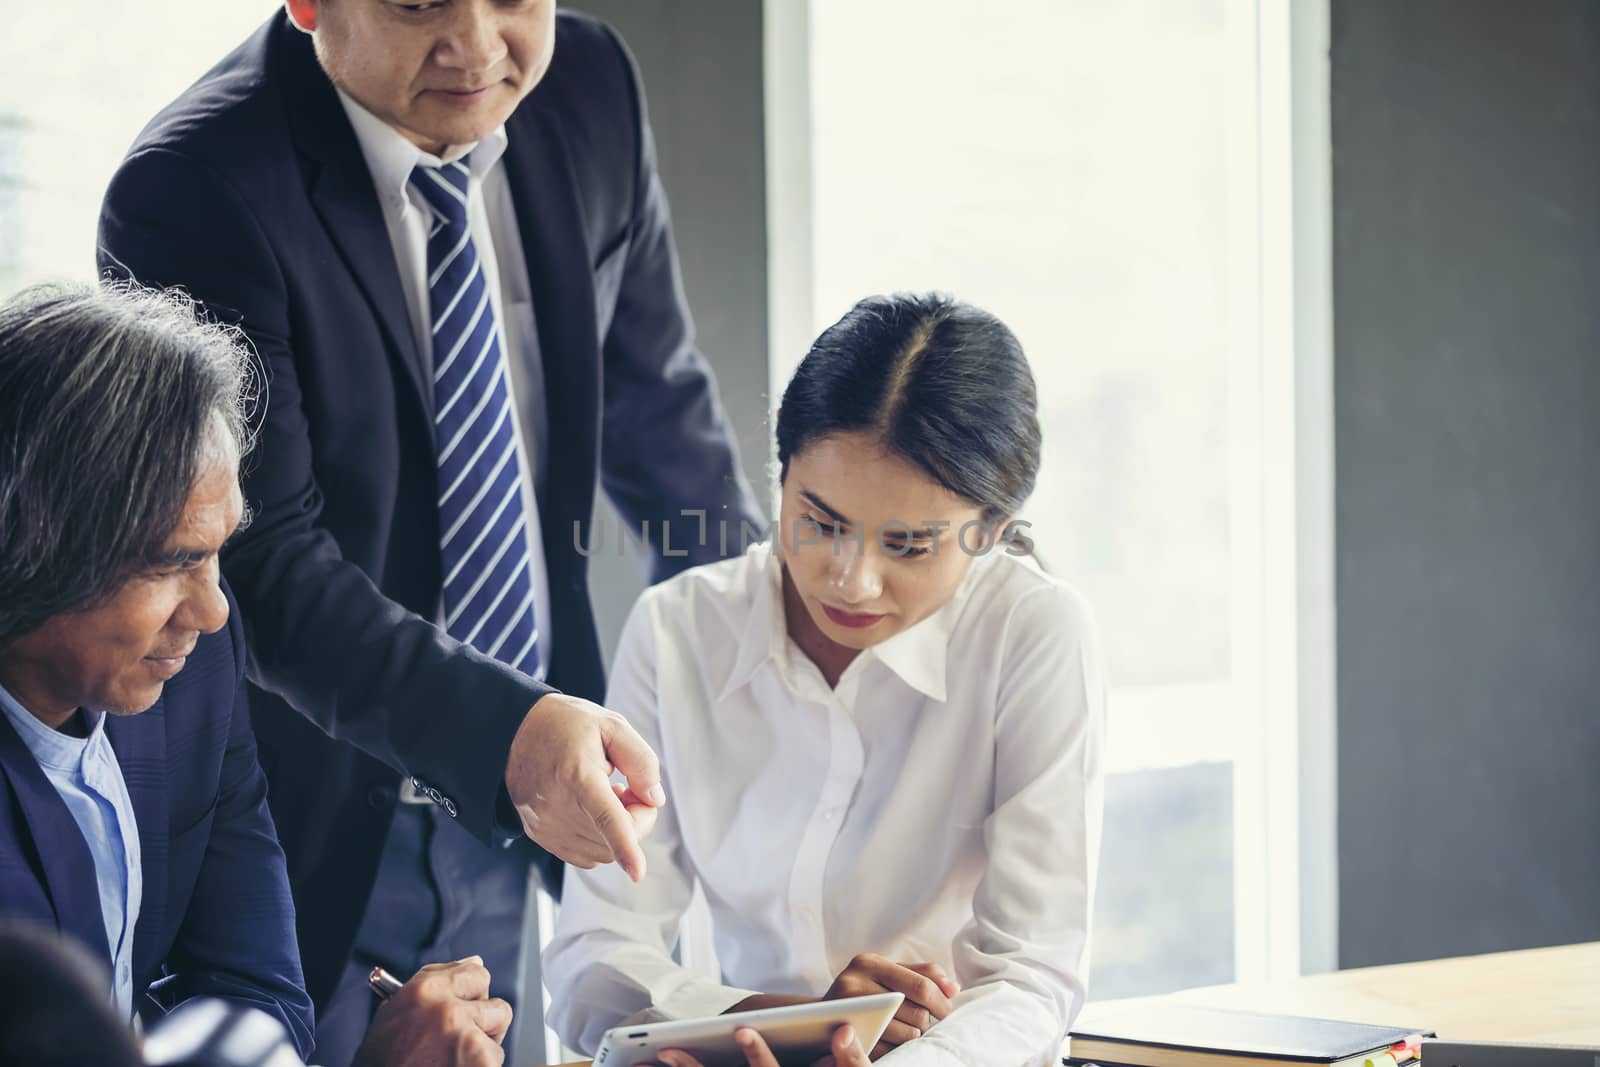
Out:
{"x": 880, "y": 730}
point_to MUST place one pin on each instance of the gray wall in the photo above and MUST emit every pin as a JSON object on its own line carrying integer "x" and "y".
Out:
{"x": 701, "y": 63}
{"x": 1466, "y": 177}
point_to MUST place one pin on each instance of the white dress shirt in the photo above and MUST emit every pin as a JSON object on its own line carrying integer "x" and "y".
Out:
{"x": 86, "y": 774}
{"x": 941, "y": 804}
{"x": 492, "y": 220}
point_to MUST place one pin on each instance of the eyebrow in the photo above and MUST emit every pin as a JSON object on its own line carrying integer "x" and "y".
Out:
{"x": 180, "y": 555}
{"x": 821, "y": 505}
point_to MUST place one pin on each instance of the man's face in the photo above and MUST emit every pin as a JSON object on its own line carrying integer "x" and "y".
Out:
{"x": 444, "y": 72}
{"x": 869, "y": 540}
{"x": 116, "y": 657}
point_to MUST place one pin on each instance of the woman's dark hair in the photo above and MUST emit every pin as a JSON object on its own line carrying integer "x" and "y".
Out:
{"x": 942, "y": 384}
{"x": 111, "y": 400}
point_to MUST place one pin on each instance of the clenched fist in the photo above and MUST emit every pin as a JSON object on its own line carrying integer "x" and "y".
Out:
{"x": 442, "y": 1017}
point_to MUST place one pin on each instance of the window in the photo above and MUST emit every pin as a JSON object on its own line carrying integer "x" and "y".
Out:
{"x": 1098, "y": 176}
{"x": 78, "y": 81}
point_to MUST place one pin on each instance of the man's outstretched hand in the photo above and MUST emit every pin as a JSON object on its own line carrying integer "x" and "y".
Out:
{"x": 559, "y": 777}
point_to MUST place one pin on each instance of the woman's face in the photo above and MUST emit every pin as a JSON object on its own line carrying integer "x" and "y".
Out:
{"x": 870, "y": 541}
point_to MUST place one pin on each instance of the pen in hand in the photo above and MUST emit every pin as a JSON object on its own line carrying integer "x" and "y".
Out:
{"x": 383, "y": 984}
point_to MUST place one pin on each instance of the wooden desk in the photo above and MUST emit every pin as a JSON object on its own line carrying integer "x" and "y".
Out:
{"x": 1542, "y": 995}
{"x": 1547, "y": 995}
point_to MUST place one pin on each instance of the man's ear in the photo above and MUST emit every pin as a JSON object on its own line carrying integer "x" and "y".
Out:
{"x": 302, "y": 14}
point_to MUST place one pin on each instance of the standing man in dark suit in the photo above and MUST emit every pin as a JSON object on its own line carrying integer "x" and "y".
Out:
{"x": 440, "y": 224}
{"x": 133, "y": 812}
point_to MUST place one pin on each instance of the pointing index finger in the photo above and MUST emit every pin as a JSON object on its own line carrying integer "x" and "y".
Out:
{"x": 602, "y": 805}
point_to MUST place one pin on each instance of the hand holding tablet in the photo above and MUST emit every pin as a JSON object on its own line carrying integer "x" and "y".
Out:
{"x": 798, "y": 1033}
{"x": 846, "y": 1050}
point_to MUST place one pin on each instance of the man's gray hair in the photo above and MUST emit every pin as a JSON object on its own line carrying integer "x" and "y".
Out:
{"x": 112, "y": 399}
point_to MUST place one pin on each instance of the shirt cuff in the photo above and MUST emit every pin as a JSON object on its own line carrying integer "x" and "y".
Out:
{"x": 699, "y": 999}
{"x": 920, "y": 1053}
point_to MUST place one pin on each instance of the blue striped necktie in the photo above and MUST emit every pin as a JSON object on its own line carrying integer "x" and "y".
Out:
{"x": 488, "y": 585}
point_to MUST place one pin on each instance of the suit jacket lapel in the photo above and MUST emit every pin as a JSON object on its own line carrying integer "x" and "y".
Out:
{"x": 340, "y": 187}
{"x": 63, "y": 854}
{"x": 550, "y": 219}
{"x": 140, "y": 742}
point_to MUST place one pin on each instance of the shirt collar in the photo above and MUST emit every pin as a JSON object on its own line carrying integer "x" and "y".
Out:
{"x": 51, "y": 748}
{"x": 391, "y": 158}
{"x": 919, "y": 655}
{"x": 765, "y": 635}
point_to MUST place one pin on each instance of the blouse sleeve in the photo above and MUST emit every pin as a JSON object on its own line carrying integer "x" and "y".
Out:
{"x": 1023, "y": 959}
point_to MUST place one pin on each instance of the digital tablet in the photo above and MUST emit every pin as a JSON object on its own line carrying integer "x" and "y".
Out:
{"x": 800, "y": 1030}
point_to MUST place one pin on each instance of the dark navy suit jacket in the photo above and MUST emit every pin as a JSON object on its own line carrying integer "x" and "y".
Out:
{"x": 251, "y": 192}
{"x": 216, "y": 918}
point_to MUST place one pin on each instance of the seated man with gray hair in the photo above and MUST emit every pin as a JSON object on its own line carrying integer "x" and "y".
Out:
{"x": 133, "y": 814}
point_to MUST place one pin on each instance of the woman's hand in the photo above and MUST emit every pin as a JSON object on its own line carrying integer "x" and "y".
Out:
{"x": 846, "y": 1051}
{"x": 928, "y": 991}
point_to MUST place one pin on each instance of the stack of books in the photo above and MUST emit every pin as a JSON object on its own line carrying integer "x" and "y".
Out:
{"x": 1173, "y": 1035}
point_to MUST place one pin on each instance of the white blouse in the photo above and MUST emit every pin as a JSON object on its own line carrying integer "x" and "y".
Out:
{"x": 942, "y": 805}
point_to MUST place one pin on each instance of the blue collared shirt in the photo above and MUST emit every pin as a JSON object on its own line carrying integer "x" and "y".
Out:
{"x": 85, "y": 772}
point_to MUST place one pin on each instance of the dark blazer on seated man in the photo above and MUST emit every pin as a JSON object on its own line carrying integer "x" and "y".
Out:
{"x": 252, "y": 192}
{"x": 216, "y": 918}
{"x": 133, "y": 812}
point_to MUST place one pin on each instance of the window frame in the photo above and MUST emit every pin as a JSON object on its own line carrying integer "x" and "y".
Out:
{"x": 1281, "y": 424}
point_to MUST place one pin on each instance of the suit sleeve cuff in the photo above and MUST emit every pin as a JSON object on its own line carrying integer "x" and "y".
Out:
{"x": 507, "y": 823}
{"x": 476, "y": 766}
